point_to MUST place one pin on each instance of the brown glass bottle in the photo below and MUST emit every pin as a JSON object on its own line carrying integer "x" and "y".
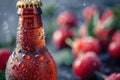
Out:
{"x": 30, "y": 59}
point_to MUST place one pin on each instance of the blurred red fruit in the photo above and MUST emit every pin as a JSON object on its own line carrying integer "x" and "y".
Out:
{"x": 4, "y": 55}
{"x": 66, "y": 20}
{"x": 83, "y": 30}
{"x": 104, "y": 29}
{"x": 59, "y": 37}
{"x": 116, "y": 36}
{"x": 85, "y": 65}
{"x": 103, "y": 34}
{"x": 113, "y": 76}
{"x": 85, "y": 44}
{"x": 114, "y": 50}
{"x": 107, "y": 15}
{"x": 89, "y": 11}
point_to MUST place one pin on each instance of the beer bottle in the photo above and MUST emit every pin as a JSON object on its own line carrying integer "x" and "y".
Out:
{"x": 30, "y": 59}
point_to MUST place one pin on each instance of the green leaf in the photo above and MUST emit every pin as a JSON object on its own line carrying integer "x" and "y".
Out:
{"x": 109, "y": 23}
{"x": 92, "y": 24}
{"x": 69, "y": 42}
{"x": 49, "y": 11}
{"x": 64, "y": 57}
{"x": 116, "y": 11}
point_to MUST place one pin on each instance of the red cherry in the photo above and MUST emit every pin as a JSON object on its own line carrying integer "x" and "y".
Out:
{"x": 4, "y": 55}
{"x": 89, "y": 11}
{"x": 113, "y": 76}
{"x": 116, "y": 36}
{"x": 86, "y": 64}
{"x": 85, "y": 44}
{"x": 59, "y": 37}
{"x": 104, "y": 35}
{"x": 66, "y": 20}
{"x": 114, "y": 50}
{"x": 107, "y": 15}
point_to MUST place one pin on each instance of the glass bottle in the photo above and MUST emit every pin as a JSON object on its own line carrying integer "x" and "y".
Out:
{"x": 30, "y": 59}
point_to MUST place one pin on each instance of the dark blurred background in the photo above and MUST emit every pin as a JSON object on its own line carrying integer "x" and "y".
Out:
{"x": 9, "y": 17}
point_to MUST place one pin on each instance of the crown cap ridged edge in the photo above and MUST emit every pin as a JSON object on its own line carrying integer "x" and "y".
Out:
{"x": 28, "y": 4}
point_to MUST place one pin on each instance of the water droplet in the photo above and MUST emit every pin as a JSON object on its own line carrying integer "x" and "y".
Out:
{"x": 19, "y": 51}
{"x": 38, "y": 34}
{"x": 25, "y": 71}
{"x": 38, "y": 65}
{"x": 41, "y": 58}
{"x": 18, "y": 59}
{"x": 36, "y": 56}
{"x": 27, "y": 57}
{"x": 25, "y": 30}
{"x": 21, "y": 65}
{"x": 47, "y": 60}
{"x": 35, "y": 76}
{"x": 15, "y": 67}
{"x": 23, "y": 55}
{"x": 85, "y": 4}
{"x": 28, "y": 48}
{"x": 20, "y": 33}
{"x": 33, "y": 62}
{"x": 14, "y": 53}
{"x": 20, "y": 38}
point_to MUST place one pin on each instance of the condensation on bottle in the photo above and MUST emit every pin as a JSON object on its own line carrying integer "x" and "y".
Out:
{"x": 30, "y": 60}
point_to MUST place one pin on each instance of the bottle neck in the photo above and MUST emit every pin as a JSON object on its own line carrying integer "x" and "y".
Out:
{"x": 30, "y": 34}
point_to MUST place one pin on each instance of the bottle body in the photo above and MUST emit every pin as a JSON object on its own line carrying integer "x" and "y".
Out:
{"x": 30, "y": 60}
{"x": 29, "y": 66}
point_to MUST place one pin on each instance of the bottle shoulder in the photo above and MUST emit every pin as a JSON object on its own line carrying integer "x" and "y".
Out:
{"x": 37, "y": 59}
{"x": 30, "y": 65}
{"x": 34, "y": 54}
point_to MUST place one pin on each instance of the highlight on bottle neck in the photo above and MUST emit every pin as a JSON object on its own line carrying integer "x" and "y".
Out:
{"x": 29, "y": 3}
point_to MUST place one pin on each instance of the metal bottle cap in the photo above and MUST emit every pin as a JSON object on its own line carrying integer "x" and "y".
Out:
{"x": 28, "y": 3}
